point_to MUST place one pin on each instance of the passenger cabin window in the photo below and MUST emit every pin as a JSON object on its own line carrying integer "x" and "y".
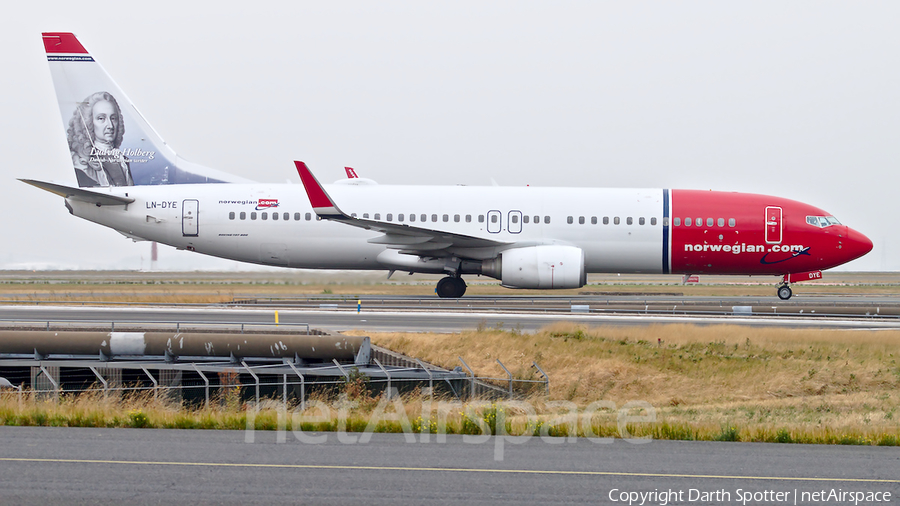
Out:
{"x": 730, "y": 222}
{"x": 297, "y": 216}
{"x": 400, "y": 217}
{"x": 412, "y": 217}
{"x": 390, "y": 217}
{"x": 629, "y": 221}
{"x": 423, "y": 218}
{"x": 434, "y": 218}
{"x": 606, "y": 220}
{"x": 514, "y": 218}
{"x": 665, "y": 221}
{"x": 569, "y": 220}
{"x": 593, "y": 220}
{"x": 709, "y": 222}
{"x": 468, "y": 218}
{"x": 231, "y": 215}
{"x": 721, "y": 222}
{"x": 253, "y": 216}
{"x": 641, "y": 220}
{"x": 480, "y": 218}
{"x": 275, "y": 216}
{"x": 546, "y": 220}
{"x": 265, "y": 216}
{"x": 308, "y": 216}
{"x": 653, "y": 221}
{"x": 687, "y": 222}
{"x": 616, "y": 220}
{"x": 581, "y": 220}
{"x": 243, "y": 216}
{"x": 493, "y": 218}
{"x": 456, "y": 218}
{"x": 525, "y": 219}
{"x": 537, "y": 219}
{"x": 446, "y": 218}
{"x": 377, "y": 216}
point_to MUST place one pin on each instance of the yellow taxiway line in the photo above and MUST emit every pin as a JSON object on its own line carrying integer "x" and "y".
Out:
{"x": 443, "y": 469}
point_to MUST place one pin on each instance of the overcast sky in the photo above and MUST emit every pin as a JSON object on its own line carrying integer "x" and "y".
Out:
{"x": 795, "y": 99}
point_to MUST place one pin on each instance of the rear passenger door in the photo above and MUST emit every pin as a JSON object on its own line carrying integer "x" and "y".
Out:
{"x": 190, "y": 210}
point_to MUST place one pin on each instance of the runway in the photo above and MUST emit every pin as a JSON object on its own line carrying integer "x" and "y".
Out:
{"x": 374, "y": 319}
{"x": 95, "y": 466}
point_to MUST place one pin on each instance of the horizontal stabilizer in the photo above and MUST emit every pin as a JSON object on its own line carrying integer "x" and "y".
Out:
{"x": 80, "y": 194}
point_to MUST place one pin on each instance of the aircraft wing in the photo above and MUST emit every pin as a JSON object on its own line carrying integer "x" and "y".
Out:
{"x": 406, "y": 238}
{"x": 80, "y": 194}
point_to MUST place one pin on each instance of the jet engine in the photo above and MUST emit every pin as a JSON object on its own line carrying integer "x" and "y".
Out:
{"x": 550, "y": 266}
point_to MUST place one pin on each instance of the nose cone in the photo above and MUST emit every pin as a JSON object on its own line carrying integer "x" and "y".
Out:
{"x": 856, "y": 244}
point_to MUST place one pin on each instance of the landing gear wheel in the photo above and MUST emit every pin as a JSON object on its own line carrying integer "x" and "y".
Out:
{"x": 451, "y": 288}
{"x": 784, "y": 292}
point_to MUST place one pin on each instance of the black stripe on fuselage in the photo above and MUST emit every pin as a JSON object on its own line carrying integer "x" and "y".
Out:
{"x": 665, "y": 223}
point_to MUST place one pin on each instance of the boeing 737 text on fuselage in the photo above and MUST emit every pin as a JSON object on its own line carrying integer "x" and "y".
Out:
{"x": 128, "y": 179}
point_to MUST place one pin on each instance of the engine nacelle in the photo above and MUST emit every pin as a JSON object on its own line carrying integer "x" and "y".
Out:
{"x": 550, "y": 266}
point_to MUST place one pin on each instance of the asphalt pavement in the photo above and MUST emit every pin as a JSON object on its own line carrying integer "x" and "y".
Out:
{"x": 45, "y": 465}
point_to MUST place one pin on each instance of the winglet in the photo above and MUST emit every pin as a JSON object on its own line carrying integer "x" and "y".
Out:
{"x": 318, "y": 197}
{"x": 351, "y": 174}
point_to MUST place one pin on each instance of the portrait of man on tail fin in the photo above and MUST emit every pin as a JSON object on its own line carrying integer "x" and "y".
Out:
{"x": 95, "y": 134}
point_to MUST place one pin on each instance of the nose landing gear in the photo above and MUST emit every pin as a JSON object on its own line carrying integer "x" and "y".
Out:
{"x": 784, "y": 292}
{"x": 451, "y": 287}
{"x": 784, "y": 289}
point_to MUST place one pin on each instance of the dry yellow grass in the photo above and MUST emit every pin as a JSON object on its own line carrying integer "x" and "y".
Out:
{"x": 704, "y": 377}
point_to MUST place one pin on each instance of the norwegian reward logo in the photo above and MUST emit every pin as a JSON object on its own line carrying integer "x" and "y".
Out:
{"x": 266, "y": 204}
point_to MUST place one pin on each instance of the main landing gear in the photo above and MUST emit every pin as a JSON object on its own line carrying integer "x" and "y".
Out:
{"x": 451, "y": 287}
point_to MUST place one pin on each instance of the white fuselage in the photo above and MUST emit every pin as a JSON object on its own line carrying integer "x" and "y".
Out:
{"x": 235, "y": 221}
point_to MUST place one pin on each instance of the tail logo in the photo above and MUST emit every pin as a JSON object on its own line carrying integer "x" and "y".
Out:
{"x": 95, "y": 133}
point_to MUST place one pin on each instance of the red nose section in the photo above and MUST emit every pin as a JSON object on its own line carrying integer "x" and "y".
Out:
{"x": 856, "y": 244}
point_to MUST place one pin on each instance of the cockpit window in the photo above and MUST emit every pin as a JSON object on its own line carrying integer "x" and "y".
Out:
{"x": 822, "y": 221}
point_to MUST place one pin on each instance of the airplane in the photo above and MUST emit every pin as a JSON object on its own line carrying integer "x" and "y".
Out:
{"x": 529, "y": 237}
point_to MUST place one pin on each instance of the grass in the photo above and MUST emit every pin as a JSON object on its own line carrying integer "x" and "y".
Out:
{"x": 711, "y": 382}
{"x": 414, "y": 415}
